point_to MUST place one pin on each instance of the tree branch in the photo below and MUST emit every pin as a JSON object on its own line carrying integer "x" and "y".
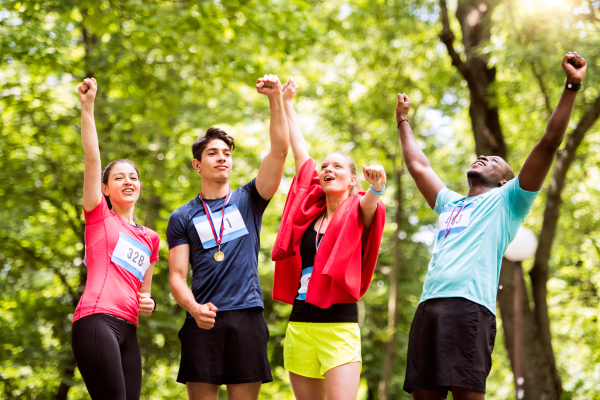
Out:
{"x": 538, "y": 76}
{"x": 447, "y": 37}
{"x": 48, "y": 264}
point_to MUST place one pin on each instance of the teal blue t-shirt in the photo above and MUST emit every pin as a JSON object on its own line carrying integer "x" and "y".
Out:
{"x": 466, "y": 263}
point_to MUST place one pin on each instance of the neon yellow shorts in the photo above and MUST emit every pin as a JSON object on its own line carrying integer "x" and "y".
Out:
{"x": 311, "y": 349}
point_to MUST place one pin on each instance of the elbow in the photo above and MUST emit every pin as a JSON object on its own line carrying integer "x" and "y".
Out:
{"x": 550, "y": 146}
{"x": 280, "y": 153}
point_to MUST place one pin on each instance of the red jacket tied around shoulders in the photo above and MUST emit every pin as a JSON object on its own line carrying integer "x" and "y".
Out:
{"x": 347, "y": 255}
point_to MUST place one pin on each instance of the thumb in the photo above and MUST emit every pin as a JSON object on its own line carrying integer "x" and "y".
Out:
{"x": 211, "y": 306}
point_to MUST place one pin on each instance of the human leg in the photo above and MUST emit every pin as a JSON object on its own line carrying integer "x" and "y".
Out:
{"x": 245, "y": 357}
{"x": 131, "y": 361}
{"x": 420, "y": 394}
{"x": 96, "y": 346}
{"x": 420, "y": 378}
{"x": 202, "y": 391}
{"x": 243, "y": 391}
{"x": 459, "y": 393}
{"x": 342, "y": 382}
{"x": 306, "y": 388}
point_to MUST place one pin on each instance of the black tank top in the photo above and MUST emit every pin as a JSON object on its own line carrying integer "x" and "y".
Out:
{"x": 306, "y": 312}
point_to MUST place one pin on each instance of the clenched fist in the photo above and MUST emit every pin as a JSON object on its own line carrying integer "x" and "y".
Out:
{"x": 290, "y": 89}
{"x": 269, "y": 85}
{"x": 87, "y": 91}
{"x": 375, "y": 175}
{"x": 205, "y": 315}
{"x": 402, "y": 107}
{"x": 146, "y": 304}
{"x": 574, "y": 66}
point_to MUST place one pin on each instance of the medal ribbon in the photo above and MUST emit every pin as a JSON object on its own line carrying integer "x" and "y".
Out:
{"x": 451, "y": 220}
{"x": 208, "y": 212}
{"x": 317, "y": 242}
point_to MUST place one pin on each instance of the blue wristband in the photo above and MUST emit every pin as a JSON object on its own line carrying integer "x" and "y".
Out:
{"x": 376, "y": 192}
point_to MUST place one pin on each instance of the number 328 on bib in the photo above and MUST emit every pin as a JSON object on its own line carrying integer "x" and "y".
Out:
{"x": 132, "y": 255}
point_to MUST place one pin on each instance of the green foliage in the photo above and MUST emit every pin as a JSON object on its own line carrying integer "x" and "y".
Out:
{"x": 169, "y": 70}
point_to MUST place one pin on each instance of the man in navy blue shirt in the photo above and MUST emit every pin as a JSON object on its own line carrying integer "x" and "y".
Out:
{"x": 224, "y": 337}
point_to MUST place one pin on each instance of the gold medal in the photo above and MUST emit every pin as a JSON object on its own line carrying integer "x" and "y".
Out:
{"x": 219, "y": 256}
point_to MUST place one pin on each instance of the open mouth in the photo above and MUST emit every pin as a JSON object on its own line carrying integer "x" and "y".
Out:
{"x": 129, "y": 191}
{"x": 329, "y": 178}
{"x": 479, "y": 162}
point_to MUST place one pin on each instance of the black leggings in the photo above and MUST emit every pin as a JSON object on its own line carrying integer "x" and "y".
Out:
{"x": 108, "y": 356}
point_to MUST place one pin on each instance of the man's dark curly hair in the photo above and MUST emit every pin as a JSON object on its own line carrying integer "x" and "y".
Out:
{"x": 211, "y": 134}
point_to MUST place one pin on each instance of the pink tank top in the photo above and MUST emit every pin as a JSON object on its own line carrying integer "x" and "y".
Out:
{"x": 117, "y": 256}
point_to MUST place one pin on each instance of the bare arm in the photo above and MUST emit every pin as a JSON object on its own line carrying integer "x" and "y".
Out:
{"x": 271, "y": 169}
{"x": 204, "y": 314}
{"x": 299, "y": 145}
{"x": 539, "y": 161}
{"x": 428, "y": 182}
{"x": 375, "y": 175}
{"x": 92, "y": 174}
{"x": 146, "y": 303}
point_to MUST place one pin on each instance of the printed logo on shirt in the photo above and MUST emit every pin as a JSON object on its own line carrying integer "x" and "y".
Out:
{"x": 460, "y": 220}
{"x": 132, "y": 255}
{"x": 234, "y": 226}
{"x": 304, "y": 280}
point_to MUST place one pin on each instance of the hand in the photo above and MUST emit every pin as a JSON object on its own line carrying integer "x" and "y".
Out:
{"x": 146, "y": 304}
{"x": 290, "y": 89}
{"x": 574, "y": 66}
{"x": 87, "y": 91}
{"x": 269, "y": 85}
{"x": 402, "y": 107}
{"x": 375, "y": 175}
{"x": 205, "y": 315}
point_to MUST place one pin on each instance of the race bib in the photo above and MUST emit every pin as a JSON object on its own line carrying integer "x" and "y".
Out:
{"x": 304, "y": 280}
{"x": 459, "y": 221}
{"x": 234, "y": 226}
{"x": 132, "y": 255}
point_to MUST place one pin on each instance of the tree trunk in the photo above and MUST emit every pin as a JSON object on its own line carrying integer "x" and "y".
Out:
{"x": 65, "y": 382}
{"x": 538, "y": 363}
{"x": 388, "y": 364}
{"x": 475, "y": 21}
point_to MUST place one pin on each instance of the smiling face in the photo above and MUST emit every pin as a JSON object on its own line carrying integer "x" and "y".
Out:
{"x": 123, "y": 185}
{"x": 336, "y": 175}
{"x": 216, "y": 162}
{"x": 489, "y": 171}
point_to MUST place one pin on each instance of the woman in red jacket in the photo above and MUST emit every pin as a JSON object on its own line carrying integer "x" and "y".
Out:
{"x": 325, "y": 254}
{"x": 120, "y": 258}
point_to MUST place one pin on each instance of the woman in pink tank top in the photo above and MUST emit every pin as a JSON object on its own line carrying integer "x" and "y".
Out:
{"x": 120, "y": 258}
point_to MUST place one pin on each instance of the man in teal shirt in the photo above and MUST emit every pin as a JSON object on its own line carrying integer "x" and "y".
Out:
{"x": 452, "y": 335}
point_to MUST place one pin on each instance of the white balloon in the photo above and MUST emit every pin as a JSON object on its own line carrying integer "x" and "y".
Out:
{"x": 523, "y": 246}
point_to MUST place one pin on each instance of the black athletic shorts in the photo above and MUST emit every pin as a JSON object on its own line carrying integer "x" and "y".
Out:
{"x": 450, "y": 344}
{"x": 233, "y": 351}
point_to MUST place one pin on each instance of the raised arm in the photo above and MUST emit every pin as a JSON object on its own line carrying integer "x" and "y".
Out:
{"x": 271, "y": 169}
{"x": 539, "y": 161}
{"x": 299, "y": 145}
{"x": 418, "y": 165}
{"x": 375, "y": 175}
{"x": 92, "y": 173}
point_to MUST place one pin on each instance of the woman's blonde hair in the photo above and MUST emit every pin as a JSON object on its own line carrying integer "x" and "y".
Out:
{"x": 357, "y": 187}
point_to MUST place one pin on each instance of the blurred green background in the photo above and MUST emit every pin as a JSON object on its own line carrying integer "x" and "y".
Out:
{"x": 168, "y": 70}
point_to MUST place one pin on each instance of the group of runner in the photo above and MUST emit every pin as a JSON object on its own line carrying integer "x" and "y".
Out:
{"x": 325, "y": 254}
